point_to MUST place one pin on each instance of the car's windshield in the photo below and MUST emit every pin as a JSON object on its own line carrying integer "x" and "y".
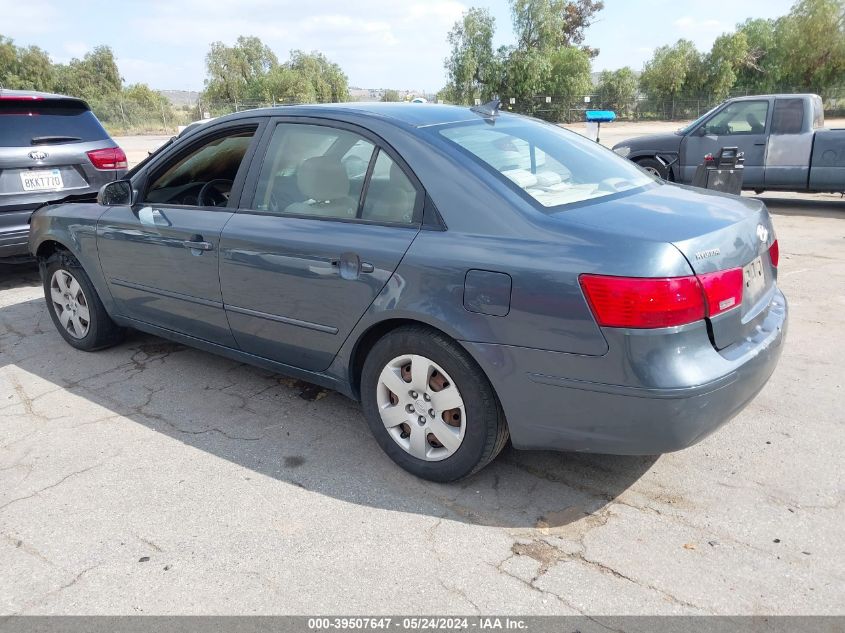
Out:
{"x": 553, "y": 166}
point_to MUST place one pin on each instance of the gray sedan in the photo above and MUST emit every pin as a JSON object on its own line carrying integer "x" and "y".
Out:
{"x": 470, "y": 276}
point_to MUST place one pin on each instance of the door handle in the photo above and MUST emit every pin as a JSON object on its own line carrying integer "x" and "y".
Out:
{"x": 349, "y": 265}
{"x": 198, "y": 245}
{"x": 763, "y": 143}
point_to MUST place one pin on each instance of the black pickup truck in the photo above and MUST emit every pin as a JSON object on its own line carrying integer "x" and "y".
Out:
{"x": 783, "y": 137}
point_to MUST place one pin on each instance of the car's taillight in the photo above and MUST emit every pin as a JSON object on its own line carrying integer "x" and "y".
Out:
{"x": 645, "y": 302}
{"x": 723, "y": 290}
{"x": 639, "y": 302}
{"x": 774, "y": 253}
{"x": 108, "y": 158}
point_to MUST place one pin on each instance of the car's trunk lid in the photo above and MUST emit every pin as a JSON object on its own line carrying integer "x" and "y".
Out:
{"x": 714, "y": 232}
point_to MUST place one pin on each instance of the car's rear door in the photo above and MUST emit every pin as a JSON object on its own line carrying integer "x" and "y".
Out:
{"x": 332, "y": 214}
{"x": 743, "y": 124}
{"x": 160, "y": 256}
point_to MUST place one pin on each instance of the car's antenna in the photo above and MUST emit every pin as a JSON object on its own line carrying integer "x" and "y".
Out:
{"x": 491, "y": 108}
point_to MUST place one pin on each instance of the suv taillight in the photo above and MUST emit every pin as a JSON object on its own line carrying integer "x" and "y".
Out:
{"x": 644, "y": 302}
{"x": 108, "y": 158}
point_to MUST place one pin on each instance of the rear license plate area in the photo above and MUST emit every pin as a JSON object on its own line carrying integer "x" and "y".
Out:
{"x": 755, "y": 280}
{"x": 42, "y": 180}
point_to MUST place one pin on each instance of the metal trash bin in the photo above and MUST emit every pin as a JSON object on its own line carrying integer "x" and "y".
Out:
{"x": 722, "y": 172}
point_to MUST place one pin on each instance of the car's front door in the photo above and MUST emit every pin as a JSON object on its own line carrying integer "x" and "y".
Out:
{"x": 331, "y": 217}
{"x": 160, "y": 256}
{"x": 742, "y": 124}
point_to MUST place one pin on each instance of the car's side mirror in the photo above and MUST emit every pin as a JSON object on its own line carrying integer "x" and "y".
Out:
{"x": 116, "y": 193}
{"x": 701, "y": 131}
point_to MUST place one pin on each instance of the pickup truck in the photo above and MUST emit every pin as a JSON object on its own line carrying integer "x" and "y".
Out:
{"x": 783, "y": 137}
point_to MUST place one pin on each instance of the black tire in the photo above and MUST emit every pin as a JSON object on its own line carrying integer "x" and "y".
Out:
{"x": 486, "y": 431}
{"x": 101, "y": 332}
{"x": 655, "y": 166}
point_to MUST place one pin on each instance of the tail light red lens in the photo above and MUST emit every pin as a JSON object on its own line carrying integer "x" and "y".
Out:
{"x": 642, "y": 302}
{"x": 108, "y": 158}
{"x": 774, "y": 253}
{"x": 637, "y": 302}
{"x": 723, "y": 290}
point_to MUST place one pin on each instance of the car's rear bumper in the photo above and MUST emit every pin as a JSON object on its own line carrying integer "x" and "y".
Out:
{"x": 646, "y": 396}
{"x": 14, "y": 231}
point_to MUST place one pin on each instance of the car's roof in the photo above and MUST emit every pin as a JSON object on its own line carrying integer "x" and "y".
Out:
{"x": 38, "y": 96}
{"x": 413, "y": 114}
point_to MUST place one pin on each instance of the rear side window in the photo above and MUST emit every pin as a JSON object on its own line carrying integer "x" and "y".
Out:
{"x": 322, "y": 171}
{"x": 552, "y": 166}
{"x": 33, "y": 123}
{"x": 788, "y": 116}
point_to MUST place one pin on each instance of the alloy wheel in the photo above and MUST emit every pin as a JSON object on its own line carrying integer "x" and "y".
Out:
{"x": 70, "y": 303}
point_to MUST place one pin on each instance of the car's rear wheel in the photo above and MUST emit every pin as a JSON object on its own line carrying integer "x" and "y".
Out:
{"x": 75, "y": 307}
{"x": 430, "y": 406}
{"x": 654, "y": 167}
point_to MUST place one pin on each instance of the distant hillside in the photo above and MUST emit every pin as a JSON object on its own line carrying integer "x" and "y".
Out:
{"x": 181, "y": 97}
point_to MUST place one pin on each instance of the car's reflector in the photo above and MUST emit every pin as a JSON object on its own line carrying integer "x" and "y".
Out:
{"x": 108, "y": 158}
{"x": 774, "y": 253}
{"x": 722, "y": 289}
{"x": 638, "y": 302}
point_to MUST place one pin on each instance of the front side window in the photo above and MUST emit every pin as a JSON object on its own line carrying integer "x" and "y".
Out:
{"x": 551, "y": 165}
{"x": 205, "y": 176}
{"x": 321, "y": 171}
{"x": 740, "y": 117}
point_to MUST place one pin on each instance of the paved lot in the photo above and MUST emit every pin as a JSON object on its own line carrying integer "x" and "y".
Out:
{"x": 153, "y": 478}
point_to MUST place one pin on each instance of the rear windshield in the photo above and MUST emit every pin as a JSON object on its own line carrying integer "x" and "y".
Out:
{"x": 25, "y": 124}
{"x": 551, "y": 165}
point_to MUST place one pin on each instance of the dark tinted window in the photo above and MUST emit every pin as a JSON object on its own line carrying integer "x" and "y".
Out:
{"x": 788, "y": 116}
{"x": 25, "y": 124}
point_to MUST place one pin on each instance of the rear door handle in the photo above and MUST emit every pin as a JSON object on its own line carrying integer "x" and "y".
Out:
{"x": 763, "y": 143}
{"x": 198, "y": 245}
{"x": 367, "y": 267}
{"x": 349, "y": 266}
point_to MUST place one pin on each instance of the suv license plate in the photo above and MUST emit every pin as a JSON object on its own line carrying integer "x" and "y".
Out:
{"x": 755, "y": 279}
{"x": 42, "y": 180}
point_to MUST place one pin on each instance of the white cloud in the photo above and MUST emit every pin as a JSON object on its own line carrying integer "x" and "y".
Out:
{"x": 377, "y": 42}
{"x": 29, "y": 18}
{"x": 691, "y": 25}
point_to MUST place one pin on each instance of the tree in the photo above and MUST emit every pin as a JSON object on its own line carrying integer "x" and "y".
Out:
{"x": 552, "y": 24}
{"x": 763, "y": 71}
{"x": 721, "y": 67}
{"x": 666, "y": 75}
{"x": 286, "y": 85}
{"x": 618, "y": 89}
{"x": 328, "y": 79}
{"x": 391, "y": 95}
{"x": 236, "y": 72}
{"x": 472, "y": 68}
{"x": 814, "y": 35}
{"x": 93, "y": 77}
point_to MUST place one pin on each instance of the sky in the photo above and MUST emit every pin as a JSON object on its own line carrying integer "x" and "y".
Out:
{"x": 379, "y": 43}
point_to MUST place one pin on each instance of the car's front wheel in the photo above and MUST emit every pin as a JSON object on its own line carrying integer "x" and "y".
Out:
{"x": 429, "y": 405}
{"x": 75, "y": 307}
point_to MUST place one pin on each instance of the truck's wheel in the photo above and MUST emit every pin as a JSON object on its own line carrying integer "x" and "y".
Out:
{"x": 654, "y": 167}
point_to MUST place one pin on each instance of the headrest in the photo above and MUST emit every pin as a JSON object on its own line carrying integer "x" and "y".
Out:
{"x": 322, "y": 178}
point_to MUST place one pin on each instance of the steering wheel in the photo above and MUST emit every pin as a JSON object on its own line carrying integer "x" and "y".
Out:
{"x": 211, "y": 196}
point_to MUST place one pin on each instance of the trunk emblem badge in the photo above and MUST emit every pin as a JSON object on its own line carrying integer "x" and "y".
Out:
{"x": 705, "y": 254}
{"x": 37, "y": 155}
{"x": 762, "y": 233}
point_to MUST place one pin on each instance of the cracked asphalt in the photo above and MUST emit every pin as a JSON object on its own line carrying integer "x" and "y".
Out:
{"x": 153, "y": 478}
